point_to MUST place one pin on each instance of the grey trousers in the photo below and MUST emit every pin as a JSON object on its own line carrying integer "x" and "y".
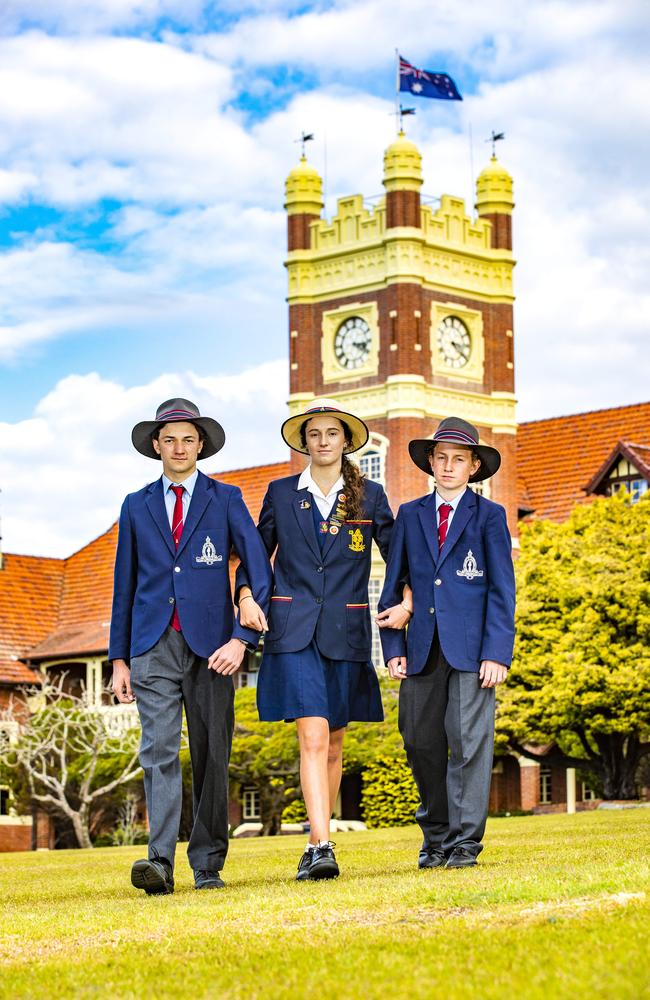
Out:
{"x": 164, "y": 679}
{"x": 447, "y": 723}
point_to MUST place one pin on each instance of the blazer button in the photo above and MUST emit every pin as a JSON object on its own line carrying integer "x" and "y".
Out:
{"x": 438, "y": 582}
{"x": 319, "y": 569}
{"x": 319, "y": 600}
{"x": 432, "y": 611}
{"x": 177, "y": 569}
{"x": 171, "y": 600}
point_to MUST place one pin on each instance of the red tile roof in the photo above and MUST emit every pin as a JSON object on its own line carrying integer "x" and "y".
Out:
{"x": 557, "y": 458}
{"x": 30, "y": 592}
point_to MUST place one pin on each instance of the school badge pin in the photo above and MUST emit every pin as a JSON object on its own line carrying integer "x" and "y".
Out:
{"x": 356, "y": 544}
{"x": 208, "y": 553}
{"x": 334, "y": 529}
{"x": 305, "y": 505}
{"x": 342, "y": 497}
{"x": 469, "y": 570}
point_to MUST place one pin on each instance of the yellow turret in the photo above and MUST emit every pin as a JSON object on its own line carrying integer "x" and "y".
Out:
{"x": 494, "y": 190}
{"x": 303, "y": 190}
{"x": 402, "y": 165}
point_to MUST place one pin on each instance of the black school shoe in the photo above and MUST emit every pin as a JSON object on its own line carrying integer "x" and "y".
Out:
{"x": 431, "y": 857}
{"x": 155, "y": 877}
{"x": 460, "y": 857}
{"x": 323, "y": 863}
{"x": 206, "y": 878}
{"x": 303, "y": 867}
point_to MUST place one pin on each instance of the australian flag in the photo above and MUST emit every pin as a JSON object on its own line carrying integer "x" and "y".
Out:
{"x": 423, "y": 83}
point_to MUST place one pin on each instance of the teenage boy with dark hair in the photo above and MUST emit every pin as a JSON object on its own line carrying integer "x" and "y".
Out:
{"x": 454, "y": 548}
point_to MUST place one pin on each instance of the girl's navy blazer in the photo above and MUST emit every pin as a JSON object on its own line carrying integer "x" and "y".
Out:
{"x": 152, "y": 575}
{"x": 322, "y": 593}
{"x": 467, "y": 591}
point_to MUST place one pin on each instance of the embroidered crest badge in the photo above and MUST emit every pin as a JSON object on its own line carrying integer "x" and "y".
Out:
{"x": 208, "y": 553}
{"x": 356, "y": 544}
{"x": 469, "y": 570}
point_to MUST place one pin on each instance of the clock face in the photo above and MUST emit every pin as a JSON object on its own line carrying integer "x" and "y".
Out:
{"x": 454, "y": 342}
{"x": 352, "y": 343}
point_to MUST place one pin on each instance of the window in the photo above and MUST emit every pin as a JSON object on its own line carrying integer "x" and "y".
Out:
{"x": 246, "y": 679}
{"x": 483, "y": 488}
{"x": 588, "y": 794}
{"x": 625, "y": 476}
{"x": 374, "y": 592}
{"x": 4, "y": 801}
{"x": 545, "y": 786}
{"x": 370, "y": 465}
{"x": 372, "y": 458}
{"x": 251, "y": 804}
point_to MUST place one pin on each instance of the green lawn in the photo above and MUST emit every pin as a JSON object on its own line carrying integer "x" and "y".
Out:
{"x": 559, "y": 907}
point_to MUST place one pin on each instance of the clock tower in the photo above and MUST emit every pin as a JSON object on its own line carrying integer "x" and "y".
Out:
{"x": 403, "y": 313}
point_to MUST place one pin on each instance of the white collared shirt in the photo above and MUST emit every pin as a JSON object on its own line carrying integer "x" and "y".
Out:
{"x": 170, "y": 497}
{"x": 452, "y": 503}
{"x": 324, "y": 503}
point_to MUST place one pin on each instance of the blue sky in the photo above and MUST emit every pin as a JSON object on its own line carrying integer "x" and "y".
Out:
{"x": 143, "y": 150}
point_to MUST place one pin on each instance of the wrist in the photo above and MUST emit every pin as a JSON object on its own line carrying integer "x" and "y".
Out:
{"x": 246, "y": 597}
{"x": 406, "y": 607}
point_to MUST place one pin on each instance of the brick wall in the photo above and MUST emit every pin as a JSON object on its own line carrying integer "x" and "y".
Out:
{"x": 15, "y": 837}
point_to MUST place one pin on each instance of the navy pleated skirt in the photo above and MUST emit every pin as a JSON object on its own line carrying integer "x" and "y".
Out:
{"x": 295, "y": 685}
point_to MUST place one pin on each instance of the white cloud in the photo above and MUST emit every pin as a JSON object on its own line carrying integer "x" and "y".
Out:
{"x": 76, "y": 448}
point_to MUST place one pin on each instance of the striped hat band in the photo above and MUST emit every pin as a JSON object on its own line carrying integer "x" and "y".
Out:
{"x": 175, "y": 414}
{"x": 455, "y": 435}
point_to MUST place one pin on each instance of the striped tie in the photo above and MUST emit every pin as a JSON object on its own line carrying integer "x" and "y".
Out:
{"x": 445, "y": 510}
{"x": 177, "y": 531}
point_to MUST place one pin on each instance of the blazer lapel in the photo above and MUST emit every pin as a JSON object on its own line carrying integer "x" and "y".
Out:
{"x": 427, "y": 515}
{"x": 155, "y": 502}
{"x": 305, "y": 519}
{"x": 201, "y": 497}
{"x": 462, "y": 515}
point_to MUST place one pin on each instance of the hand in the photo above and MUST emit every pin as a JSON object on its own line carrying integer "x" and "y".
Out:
{"x": 251, "y": 615}
{"x": 396, "y": 617}
{"x": 397, "y": 668}
{"x": 122, "y": 682}
{"x": 492, "y": 673}
{"x": 228, "y": 658}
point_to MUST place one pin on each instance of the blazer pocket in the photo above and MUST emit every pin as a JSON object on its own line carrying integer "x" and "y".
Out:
{"x": 358, "y": 625}
{"x": 356, "y": 539}
{"x": 208, "y": 549}
{"x": 278, "y": 616}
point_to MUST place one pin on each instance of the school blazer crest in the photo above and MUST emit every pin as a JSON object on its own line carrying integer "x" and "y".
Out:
{"x": 467, "y": 591}
{"x": 152, "y": 576}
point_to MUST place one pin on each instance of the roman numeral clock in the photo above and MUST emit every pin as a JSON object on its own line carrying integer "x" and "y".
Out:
{"x": 404, "y": 313}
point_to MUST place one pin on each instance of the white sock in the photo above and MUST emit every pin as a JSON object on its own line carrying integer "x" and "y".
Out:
{"x": 310, "y": 847}
{"x": 323, "y": 843}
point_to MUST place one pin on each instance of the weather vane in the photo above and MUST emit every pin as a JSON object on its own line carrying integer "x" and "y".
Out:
{"x": 494, "y": 138}
{"x": 305, "y": 137}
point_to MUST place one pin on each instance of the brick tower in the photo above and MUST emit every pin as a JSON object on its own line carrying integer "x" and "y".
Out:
{"x": 403, "y": 313}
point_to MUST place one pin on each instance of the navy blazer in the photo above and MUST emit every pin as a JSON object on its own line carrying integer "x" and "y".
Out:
{"x": 468, "y": 591}
{"x": 320, "y": 593}
{"x": 151, "y": 575}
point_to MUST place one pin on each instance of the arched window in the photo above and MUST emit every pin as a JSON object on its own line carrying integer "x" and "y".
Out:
{"x": 372, "y": 458}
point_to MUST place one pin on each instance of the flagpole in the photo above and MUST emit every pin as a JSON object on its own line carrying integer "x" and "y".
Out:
{"x": 397, "y": 114}
{"x": 471, "y": 171}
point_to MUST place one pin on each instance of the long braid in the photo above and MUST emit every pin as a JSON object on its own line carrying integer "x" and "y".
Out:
{"x": 354, "y": 489}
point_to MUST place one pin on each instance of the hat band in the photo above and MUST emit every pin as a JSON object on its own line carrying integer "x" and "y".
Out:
{"x": 323, "y": 409}
{"x": 454, "y": 435}
{"x": 177, "y": 413}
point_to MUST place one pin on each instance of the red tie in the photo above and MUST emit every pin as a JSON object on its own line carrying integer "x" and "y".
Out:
{"x": 445, "y": 510}
{"x": 177, "y": 531}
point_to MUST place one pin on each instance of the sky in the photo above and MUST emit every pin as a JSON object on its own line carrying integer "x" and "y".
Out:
{"x": 144, "y": 146}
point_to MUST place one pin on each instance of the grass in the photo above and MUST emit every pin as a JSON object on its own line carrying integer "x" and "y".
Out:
{"x": 559, "y": 907}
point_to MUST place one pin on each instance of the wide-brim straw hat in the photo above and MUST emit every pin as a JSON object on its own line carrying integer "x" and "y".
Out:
{"x": 454, "y": 430}
{"x": 174, "y": 411}
{"x": 291, "y": 427}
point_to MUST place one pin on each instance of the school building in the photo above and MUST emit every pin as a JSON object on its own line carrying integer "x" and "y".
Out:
{"x": 402, "y": 309}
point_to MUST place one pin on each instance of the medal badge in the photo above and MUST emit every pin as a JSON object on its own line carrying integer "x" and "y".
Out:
{"x": 470, "y": 569}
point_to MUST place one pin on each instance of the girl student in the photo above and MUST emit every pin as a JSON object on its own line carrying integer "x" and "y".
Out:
{"x": 316, "y": 668}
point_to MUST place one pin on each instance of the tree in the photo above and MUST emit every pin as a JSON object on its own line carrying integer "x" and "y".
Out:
{"x": 66, "y": 755}
{"x": 581, "y": 669}
{"x": 265, "y": 754}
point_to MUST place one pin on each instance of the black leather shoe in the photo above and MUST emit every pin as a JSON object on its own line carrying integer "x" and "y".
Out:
{"x": 303, "y": 868}
{"x": 206, "y": 878}
{"x": 460, "y": 857}
{"x": 323, "y": 863}
{"x": 155, "y": 877}
{"x": 431, "y": 857}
